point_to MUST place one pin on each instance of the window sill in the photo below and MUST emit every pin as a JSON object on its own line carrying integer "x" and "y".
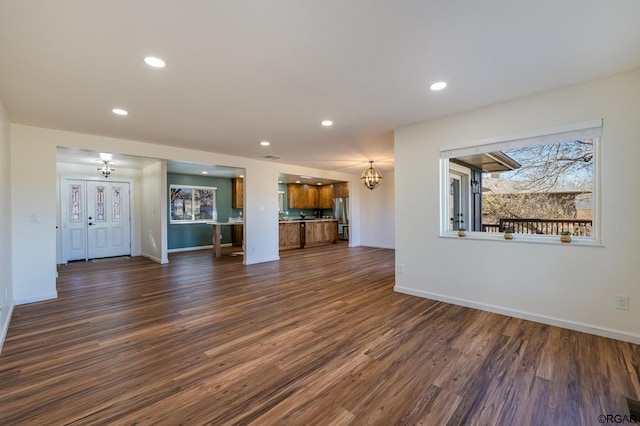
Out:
{"x": 523, "y": 238}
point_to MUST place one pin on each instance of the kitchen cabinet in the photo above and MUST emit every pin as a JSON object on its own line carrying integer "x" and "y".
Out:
{"x": 341, "y": 190}
{"x": 237, "y": 235}
{"x": 302, "y": 196}
{"x": 319, "y": 233}
{"x": 237, "y": 193}
{"x": 289, "y": 235}
{"x": 300, "y": 234}
{"x": 325, "y": 197}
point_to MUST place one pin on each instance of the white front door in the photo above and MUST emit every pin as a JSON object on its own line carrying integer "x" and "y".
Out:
{"x": 108, "y": 219}
{"x": 95, "y": 219}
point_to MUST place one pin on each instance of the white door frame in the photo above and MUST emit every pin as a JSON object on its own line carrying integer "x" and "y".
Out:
{"x": 462, "y": 174}
{"x": 61, "y": 205}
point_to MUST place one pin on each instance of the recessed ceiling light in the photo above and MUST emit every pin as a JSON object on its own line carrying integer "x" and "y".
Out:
{"x": 120, "y": 111}
{"x": 327, "y": 123}
{"x": 204, "y": 172}
{"x": 297, "y": 181}
{"x": 265, "y": 143}
{"x": 241, "y": 176}
{"x": 439, "y": 85}
{"x": 305, "y": 177}
{"x": 154, "y": 62}
{"x": 319, "y": 183}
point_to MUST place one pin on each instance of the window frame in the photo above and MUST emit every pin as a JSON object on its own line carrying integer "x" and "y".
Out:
{"x": 591, "y": 129}
{"x": 193, "y": 189}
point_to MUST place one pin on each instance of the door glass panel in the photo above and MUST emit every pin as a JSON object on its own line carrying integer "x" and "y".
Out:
{"x": 456, "y": 219}
{"x": 75, "y": 206}
{"x": 100, "y": 208}
{"x": 116, "y": 202}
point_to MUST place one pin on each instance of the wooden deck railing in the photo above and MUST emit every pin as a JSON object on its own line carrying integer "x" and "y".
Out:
{"x": 578, "y": 227}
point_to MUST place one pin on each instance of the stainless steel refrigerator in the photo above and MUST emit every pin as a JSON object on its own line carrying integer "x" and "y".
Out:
{"x": 341, "y": 212}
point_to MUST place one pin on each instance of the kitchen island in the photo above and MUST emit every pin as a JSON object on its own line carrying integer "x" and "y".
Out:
{"x": 294, "y": 234}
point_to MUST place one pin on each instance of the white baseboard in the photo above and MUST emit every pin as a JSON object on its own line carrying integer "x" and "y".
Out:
{"x": 34, "y": 299}
{"x": 155, "y": 259}
{"x": 558, "y": 322}
{"x": 5, "y": 327}
{"x": 263, "y": 260}
{"x": 377, "y": 246}
{"x": 209, "y": 247}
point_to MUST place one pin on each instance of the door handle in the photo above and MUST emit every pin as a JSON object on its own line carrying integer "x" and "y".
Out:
{"x": 90, "y": 223}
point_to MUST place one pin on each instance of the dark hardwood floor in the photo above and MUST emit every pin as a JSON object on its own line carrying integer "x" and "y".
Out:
{"x": 317, "y": 338}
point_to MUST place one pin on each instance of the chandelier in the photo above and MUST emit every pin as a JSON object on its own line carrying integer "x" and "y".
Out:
{"x": 106, "y": 170}
{"x": 371, "y": 178}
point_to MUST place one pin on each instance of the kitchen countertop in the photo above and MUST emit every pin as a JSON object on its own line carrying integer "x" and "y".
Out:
{"x": 306, "y": 220}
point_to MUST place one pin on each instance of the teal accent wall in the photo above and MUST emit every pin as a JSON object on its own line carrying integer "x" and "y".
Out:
{"x": 187, "y": 235}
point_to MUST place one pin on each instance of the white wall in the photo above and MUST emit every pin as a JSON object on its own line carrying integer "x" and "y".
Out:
{"x": 34, "y": 195}
{"x": 154, "y": 212}
{"x": 33, "y": 209}
{"x": 6, "y": 276}
{"x": 568, "y": 285}
{"x": 377, "y": 213}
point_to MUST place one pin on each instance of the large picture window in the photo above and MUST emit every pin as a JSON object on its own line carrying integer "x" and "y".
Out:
{"x": 192, "y": 204}
{"x": 542, "y": 183}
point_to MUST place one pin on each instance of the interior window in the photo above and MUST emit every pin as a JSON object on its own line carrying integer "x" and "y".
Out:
{"x": 538, "y": 185}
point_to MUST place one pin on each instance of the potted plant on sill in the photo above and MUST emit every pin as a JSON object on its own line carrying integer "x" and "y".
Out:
{"x": 565, "y": 236}
{"x": 508, "y": 234}
{"x": 461, "y": 232}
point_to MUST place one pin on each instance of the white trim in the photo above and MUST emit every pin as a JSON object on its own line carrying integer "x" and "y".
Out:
{"x": 5, "y": 327}
{"x": 529, "y": 316}
{"x": 263, "y": 260}
{"x": 380, "y": 246}
{"x": 522, "y": 238}
{"x": 155, "y": 259}
{"x": 35, "y": 299}
{"x": 195, "y": 248}
{"x": 523, "y": 136}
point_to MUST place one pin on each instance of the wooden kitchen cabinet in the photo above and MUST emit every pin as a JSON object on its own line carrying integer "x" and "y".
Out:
{"x": 325, "y": 197}
{"x": 319, "y": 233}
{"x": 307, "y": 233}
{"x": 289, "y": 236}
{"x": 302, "y": 196}
{"x": 237, "y": 193}
{"x": 237, "y": 235}
{"x": 341, "y": 190}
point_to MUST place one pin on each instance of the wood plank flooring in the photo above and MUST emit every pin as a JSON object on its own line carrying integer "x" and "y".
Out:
{"x": 319, "y": 338}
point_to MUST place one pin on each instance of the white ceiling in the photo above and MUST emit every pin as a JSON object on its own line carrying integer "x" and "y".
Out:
{"x": 239, "y": 72}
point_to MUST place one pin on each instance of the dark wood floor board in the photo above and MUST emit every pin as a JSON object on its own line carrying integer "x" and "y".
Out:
{"x": 318, "y": 338}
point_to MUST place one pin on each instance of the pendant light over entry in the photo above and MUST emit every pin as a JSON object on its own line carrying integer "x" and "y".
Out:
{"x": 106, "y": 170}
{"x": 371, "y": 178}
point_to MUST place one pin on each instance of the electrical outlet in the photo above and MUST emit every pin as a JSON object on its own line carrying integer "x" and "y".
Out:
{"x": 400, "y": 268}
{"x": 622, "y": 302}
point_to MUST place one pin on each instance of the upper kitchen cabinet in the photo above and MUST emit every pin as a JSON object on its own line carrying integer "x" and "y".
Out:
{"x": 302, "y": 196}
{"x": 237, "y": 193}
{"x": 325, "y": 197}
{"x": 341, "y": 190}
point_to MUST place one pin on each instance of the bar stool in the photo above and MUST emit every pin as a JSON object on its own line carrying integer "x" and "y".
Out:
{"x": 345, "y": 232}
